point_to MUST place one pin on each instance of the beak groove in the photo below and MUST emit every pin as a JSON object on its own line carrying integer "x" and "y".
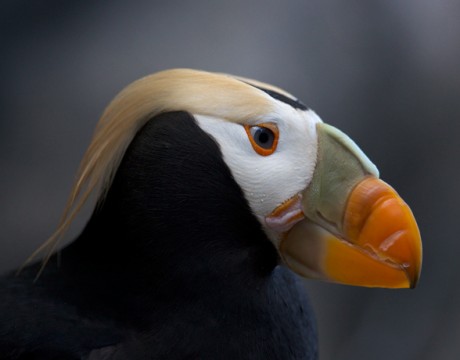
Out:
{"x": 378, "y": 219}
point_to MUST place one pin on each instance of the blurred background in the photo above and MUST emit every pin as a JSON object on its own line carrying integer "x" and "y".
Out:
{"x": 386, "y": 72}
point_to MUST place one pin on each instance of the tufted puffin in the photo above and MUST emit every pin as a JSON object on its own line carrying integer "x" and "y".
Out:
{"x": 212, "y": 197}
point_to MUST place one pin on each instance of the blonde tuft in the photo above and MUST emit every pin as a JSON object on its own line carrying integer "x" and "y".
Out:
{"x": 197, "y": 92}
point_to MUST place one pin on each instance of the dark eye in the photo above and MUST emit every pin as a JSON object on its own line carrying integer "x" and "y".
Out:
{"x": 263, "y": 137}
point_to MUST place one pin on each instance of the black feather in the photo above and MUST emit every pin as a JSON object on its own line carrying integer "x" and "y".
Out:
{"x": 172, "y": 265}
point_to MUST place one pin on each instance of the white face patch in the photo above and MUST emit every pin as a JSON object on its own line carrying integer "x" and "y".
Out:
{"x": 268, "y": 181}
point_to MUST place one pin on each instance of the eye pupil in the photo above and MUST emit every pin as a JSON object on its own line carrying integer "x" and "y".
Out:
{"x": 264, "y": 137}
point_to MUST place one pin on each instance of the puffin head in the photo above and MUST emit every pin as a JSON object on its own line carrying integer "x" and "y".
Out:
{"x": 316, "y": 195}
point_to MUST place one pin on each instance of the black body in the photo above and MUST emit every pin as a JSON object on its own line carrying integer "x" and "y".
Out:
{"x": 172, "y": 265}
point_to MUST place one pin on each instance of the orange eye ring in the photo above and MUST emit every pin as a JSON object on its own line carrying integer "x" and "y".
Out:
{"x": 263, "y": 137}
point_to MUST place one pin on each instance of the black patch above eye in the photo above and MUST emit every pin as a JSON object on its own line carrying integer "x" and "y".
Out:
{"x": 263, "y": 137}
{"x": 295, "y": 103}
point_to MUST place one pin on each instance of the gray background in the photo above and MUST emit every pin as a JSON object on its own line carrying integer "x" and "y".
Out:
{"x": 385, "y": 72}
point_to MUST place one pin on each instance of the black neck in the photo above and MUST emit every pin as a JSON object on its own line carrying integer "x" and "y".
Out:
{"x": 173, "y": 208}
{"x": 175, "y": 253}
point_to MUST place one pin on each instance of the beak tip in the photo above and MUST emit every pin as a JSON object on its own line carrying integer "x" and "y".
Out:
{"x": 414, "y": 277}
{"x": 413, "y": 271}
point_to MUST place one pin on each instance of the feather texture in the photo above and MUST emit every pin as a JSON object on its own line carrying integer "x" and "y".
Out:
{"x": 197, "y": 92}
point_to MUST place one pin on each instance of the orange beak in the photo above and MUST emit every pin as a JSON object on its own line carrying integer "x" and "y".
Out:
{"x": 357, "y": 231}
